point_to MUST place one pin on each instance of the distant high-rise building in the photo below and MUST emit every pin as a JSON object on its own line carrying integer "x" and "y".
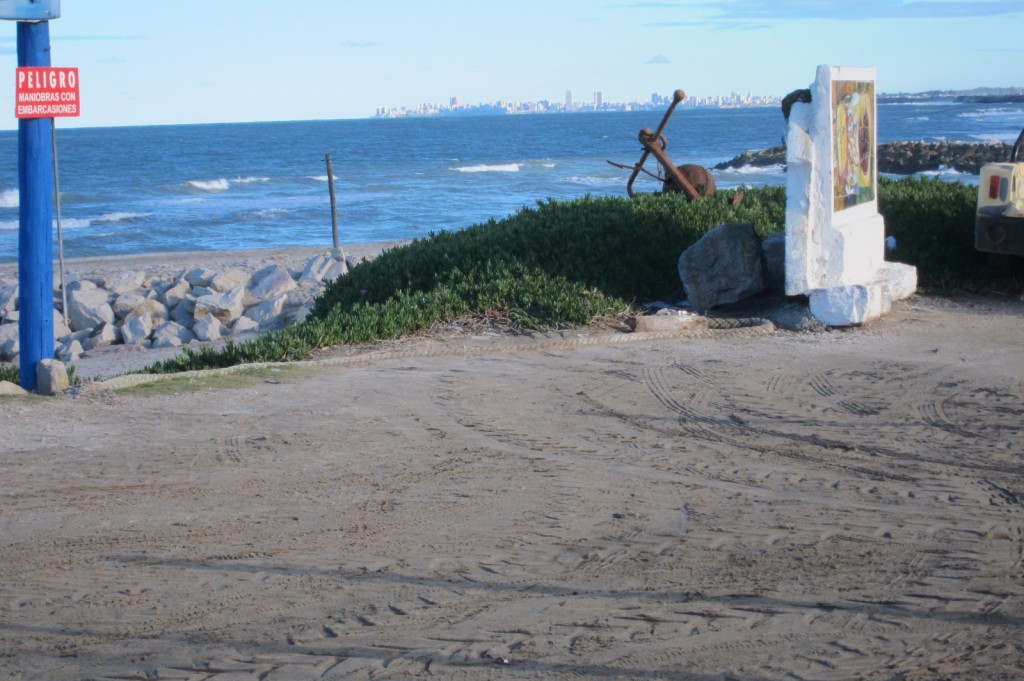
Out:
{"x": 597, "y": 101}
{"x": 568, "y": 100}
{"x": 454, "y": 102}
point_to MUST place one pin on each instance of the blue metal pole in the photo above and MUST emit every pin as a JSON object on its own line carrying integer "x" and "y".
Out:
{"x": 35, "y": 238}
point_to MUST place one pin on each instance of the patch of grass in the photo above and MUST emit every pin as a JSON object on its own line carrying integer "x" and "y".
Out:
{"x": 244, "y": 377}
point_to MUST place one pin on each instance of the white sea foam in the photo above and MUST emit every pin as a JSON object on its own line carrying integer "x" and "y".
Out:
{"x": 110, "y": 218}
{"x": 8, "y": 225}
{"x": 1008, "y": 138}
{"x": 320, "y": 178}
{"x": 775, "y": 169}
{"x": 268, "y": 213}
{"x": 484, "y": 168}
{"x": 73, "y": 223}
{"x": 249, "y": 180}
{"x": 9, "y": 198}
{"x": 592, "y": 181}
{"x": 218, "y": 185}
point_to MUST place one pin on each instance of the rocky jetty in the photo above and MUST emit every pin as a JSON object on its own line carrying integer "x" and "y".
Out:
{"x": 171, "y": 308}
{"x": 901, "y": 158}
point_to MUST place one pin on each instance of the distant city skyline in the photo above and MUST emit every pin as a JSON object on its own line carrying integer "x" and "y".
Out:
{"x": 571, "y": 104}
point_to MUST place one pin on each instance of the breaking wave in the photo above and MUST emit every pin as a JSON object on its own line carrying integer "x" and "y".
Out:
{"x": 484, "y": 168}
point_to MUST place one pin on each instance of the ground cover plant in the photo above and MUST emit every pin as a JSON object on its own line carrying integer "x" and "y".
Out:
{"x": 564, "y": 263}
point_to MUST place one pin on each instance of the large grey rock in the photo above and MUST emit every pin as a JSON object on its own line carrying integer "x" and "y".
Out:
{"x": 267, "y": 313}
{"x": 208, "y": 328}
{"x": 724, "y": 266}
{"x": 102, "y": 335}
{"x": 136, "y": 328}
{"x": 337, "y": 269}
{"x": 774, "y": 249}
{"x": 200, "y": 276}
{"x": 171, "y": 335}
{"x": 9, "y": 343}
{"x": 11, "y": 389}
{"x": 244, "y": 325}
{"x": 51, "y": 377}
{"x": 70, "y": 351}
{"x": 126, "y": 303}
{"x": 226, "y": 306}
{"x": 60, "y": 325}
{"x": 88, "y": 308}
{"x": 123, "y": 282}
{"x": 229, "y": 279}
{"x": 184, "y": 312}
{"x": 316, "y": 267}
{"x": 268, "y": 283}
{"x": 8, "y": 298}
{"x": 176, "y": 293}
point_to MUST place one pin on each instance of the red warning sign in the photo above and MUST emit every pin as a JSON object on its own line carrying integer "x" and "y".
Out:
{"x": 45, "y": 92}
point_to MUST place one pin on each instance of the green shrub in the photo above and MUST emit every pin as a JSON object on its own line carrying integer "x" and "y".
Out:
{"x": 933, "y": 224}
{"x": 10, "y": 372}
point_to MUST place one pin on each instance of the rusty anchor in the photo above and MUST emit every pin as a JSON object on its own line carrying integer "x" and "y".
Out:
{"x": 693, "y": 180}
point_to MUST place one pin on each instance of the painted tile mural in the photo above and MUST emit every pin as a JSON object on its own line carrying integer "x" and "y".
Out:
{"x": 853, "y": 157}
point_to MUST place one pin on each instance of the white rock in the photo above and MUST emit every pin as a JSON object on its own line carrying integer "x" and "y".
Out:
{"x": 51, "y": 377}
{"x": 200, "y": 276}
{"x": 337, "y": 269}
{"x": 88, "y": 308}
{"x": 226, "y": 307}
{"x": 8, "y": 298}
{"x": 244, "y": 325}
{"x": 267, "y": 313}
{"x": 81, "y": 285}
{"x": 60, "y": 325}
{"x": 70, "y": 351}
{"x": 8, "y": 388}
{"x": 183, "y": 312}
{"x": 125, "y": 303}
{"x": 171, "y": 335}
{"x": 9, "y": 344}
{"x": 176, "y": 293}
{"x": 267, "y": 283}
{"x": 208, "y": 328}
{"x": 229, "y": 279}
{"x": 136, "y": 328}
{"x": 124, "y": 282}
{"x": 315, "y": 268}
{"x": 102, "y": 335}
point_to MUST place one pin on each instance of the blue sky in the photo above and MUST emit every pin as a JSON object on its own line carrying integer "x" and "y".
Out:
{"x": 192, "y": 61}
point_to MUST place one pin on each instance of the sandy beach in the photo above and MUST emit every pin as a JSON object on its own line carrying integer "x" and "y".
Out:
{"x": 837, "y": 505}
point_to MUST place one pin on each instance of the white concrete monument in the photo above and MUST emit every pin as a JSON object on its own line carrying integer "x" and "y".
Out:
{"x": 835, "y": 237}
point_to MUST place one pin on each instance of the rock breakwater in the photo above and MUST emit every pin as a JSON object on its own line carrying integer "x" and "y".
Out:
{"x": 145, "y": 303}
{"x": 900, "y": 158}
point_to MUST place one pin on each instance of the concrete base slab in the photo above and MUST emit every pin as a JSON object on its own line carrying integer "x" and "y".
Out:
{"x": 859, "y": 303}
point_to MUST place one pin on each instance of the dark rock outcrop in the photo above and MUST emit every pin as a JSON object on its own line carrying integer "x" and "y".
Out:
{"x": 901, "y": 158}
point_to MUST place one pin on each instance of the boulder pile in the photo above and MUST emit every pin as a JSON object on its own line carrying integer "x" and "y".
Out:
{"x": 193, "y": 305}
{"x": 901, "y": 158}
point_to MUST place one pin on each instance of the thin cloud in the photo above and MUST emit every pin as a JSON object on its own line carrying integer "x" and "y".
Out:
{"x": 746, "y": 10}
{"x": 658, "y": 59}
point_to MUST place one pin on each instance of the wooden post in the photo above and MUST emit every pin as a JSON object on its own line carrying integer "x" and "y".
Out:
{"x": 35, "y": 226}
{"x": 334, "y": 203}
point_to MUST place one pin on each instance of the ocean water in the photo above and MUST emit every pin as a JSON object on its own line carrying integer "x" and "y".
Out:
{"x": 263, "y": 185}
